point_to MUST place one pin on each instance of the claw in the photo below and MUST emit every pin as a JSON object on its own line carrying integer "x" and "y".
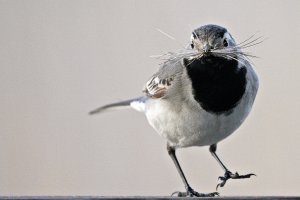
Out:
{"x": 229, "y": 175}
{"x": 213, "y": 194}
{"x": 191, "y": 193}
{"x": 237, "y": 176}
{"x": 221, "y": 184}
{"x": 176, "y": 193}
{"x": 246, "y": 176}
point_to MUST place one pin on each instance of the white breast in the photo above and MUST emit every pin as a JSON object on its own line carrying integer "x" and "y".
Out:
{"x": 184, "y": 124}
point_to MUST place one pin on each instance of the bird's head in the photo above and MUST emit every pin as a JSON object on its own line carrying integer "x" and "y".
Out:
{"x": 209, "y": 38}
{"x": 213, "y": 41}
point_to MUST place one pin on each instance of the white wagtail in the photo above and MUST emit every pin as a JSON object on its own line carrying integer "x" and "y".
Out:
{"x": 199, "y": 96}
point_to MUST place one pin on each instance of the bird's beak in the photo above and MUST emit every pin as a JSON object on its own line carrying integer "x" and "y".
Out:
{"x": 206, "y": 48}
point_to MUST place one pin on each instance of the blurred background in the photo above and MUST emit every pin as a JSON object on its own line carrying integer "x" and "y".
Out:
{"x": 61, "y": 59}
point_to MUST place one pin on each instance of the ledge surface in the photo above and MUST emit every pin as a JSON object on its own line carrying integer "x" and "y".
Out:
{"x": 144, "y": 197}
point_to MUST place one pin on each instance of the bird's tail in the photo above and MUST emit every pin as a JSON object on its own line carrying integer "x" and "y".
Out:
{"x": 136, "y": 103}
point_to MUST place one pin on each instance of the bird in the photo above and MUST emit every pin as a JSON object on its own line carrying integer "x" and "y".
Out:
{"x": 199, "y": 96}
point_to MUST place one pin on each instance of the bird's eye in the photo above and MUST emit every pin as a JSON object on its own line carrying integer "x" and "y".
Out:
{"x": 192, "y": 45}
{"x": 225, "y": 43}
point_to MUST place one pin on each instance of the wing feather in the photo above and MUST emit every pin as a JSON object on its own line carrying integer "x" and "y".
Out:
{"x": 161, "y": 82}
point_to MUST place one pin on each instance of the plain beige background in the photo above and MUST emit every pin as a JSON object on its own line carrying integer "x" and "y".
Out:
{"x": 60, "y": 59}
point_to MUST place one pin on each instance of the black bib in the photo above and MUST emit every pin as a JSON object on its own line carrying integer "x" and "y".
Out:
{"x": 218, "y": 83}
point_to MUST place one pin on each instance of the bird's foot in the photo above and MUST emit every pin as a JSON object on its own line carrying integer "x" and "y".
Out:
{"x": 192, "y": 193}
{"x": 230, "y": 175}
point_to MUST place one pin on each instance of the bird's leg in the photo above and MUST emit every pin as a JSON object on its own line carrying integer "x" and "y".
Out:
{"x": 189, "y": 191}
{"x": 228, "y": 174}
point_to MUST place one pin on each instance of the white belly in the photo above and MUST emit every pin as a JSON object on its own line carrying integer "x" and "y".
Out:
{"x": 184, "y": 125}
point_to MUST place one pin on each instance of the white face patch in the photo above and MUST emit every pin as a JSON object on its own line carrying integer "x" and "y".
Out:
{"x": 229, "y": 39}
{"x": 227, "y": 36}
{"x": 192, "y": 38}
{"x": 196, "y": 42}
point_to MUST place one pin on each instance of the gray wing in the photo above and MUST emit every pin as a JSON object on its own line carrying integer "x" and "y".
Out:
{"x": 162, "y": 82}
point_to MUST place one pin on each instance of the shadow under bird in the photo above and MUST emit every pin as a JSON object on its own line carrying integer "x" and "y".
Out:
{"x": 199, "y": 96}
